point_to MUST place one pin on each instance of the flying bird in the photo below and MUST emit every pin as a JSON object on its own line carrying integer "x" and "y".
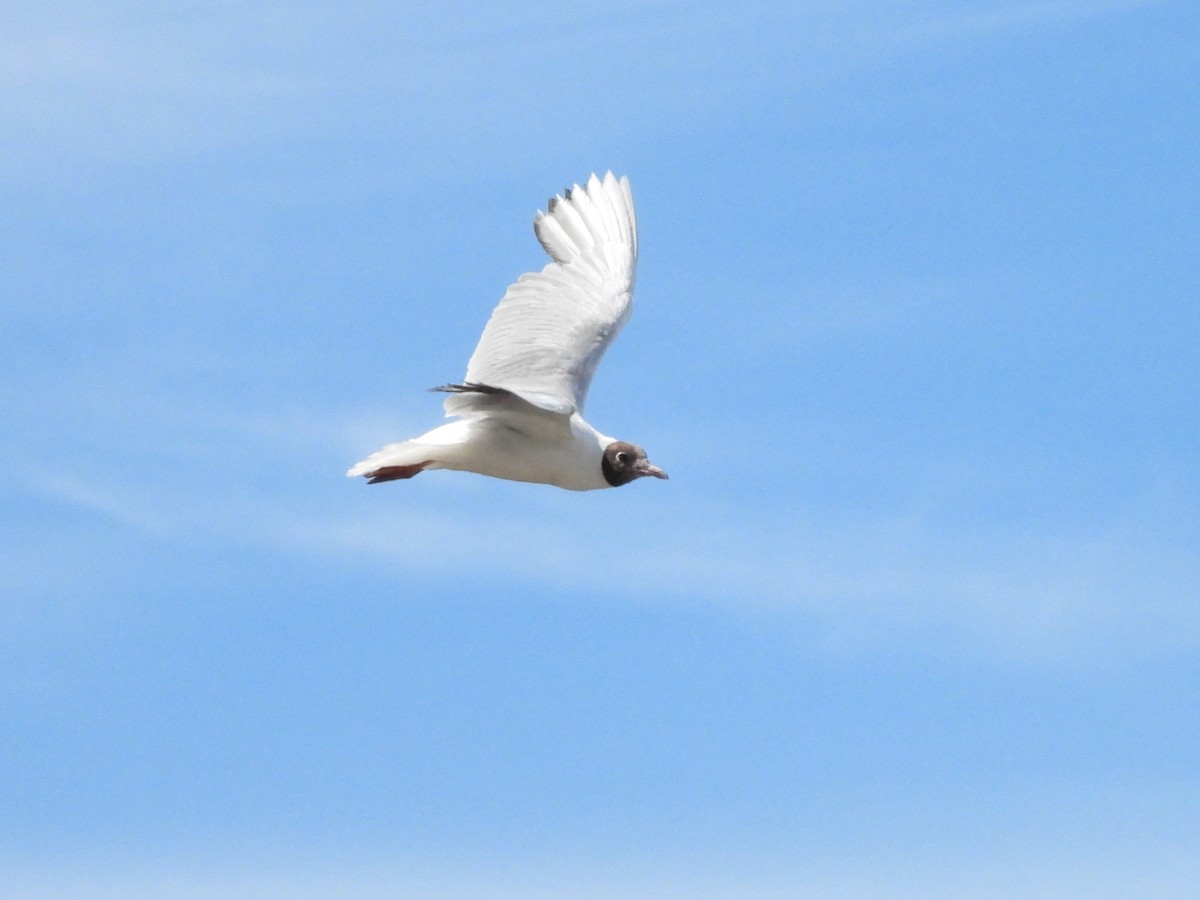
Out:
{"x": 518, "y": 413}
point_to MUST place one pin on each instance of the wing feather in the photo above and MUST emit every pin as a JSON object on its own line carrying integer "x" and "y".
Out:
{"x": 549, "y": 332}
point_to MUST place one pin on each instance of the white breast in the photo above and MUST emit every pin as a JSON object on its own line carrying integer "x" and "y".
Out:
{"x": 493, "y": 447}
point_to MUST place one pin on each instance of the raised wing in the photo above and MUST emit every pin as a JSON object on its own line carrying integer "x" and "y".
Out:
{"x": 547, "y": 335}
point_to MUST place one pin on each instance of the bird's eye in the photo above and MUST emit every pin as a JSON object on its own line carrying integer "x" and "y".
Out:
{"x": 623, "y": 458}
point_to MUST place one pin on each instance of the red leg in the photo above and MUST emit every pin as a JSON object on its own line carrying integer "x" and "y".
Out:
{"x": 394, "y": 473}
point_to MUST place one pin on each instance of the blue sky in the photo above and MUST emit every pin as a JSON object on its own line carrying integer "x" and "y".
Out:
{"x": 915, "y": 335}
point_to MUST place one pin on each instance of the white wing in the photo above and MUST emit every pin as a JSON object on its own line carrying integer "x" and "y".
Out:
{"x": 545, "y": 338}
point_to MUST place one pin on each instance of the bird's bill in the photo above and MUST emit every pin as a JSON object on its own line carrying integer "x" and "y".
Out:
{"x": 644, "y": 468}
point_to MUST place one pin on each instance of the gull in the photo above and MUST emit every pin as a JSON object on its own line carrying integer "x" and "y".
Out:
{"x": 518, "y": 413}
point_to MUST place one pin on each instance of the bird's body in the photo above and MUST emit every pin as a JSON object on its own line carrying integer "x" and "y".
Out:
{"x": 519, "y": 412}
{"x": 539, "y": 447}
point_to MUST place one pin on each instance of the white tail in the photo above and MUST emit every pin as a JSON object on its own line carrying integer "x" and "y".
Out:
{"x": 394, "y": 461}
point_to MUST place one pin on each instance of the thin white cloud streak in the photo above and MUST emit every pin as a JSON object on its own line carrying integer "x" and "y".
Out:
{"x": 111, "y": 505}
{"x": 1163, "y": 872}
{"x": 1028, "y": 593}
{"x": 1031, "y": 595}
{"x": 132, "y": 85}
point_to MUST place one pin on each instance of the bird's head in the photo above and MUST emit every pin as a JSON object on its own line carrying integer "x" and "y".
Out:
{"x": 623, "y": 462}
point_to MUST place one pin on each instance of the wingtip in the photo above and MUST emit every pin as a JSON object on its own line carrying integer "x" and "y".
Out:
{"x": 601, "y": 209}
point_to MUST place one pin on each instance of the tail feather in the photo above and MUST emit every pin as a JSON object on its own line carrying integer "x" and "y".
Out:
{"x": 435, "y": 449}
{"x": 403, "y": 460}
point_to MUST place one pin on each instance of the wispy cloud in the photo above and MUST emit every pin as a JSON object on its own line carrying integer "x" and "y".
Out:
{"x": 1033, "y": 594}
{"x": 135, "y": 85}
{"x": 1017, "y": 590}
{"x": 1086, "y": 864}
